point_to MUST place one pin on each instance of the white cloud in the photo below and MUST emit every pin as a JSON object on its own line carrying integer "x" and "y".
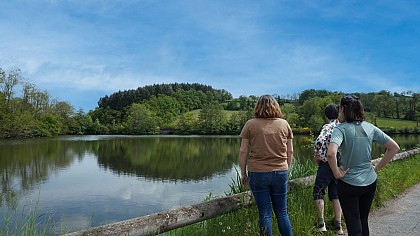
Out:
{"x": 247, "y": 48}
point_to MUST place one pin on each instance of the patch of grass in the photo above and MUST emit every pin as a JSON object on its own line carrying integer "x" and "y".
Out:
{"x": 395, "y": 123}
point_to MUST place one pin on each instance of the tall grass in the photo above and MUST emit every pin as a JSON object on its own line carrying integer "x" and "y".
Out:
{"x": 25, "y": 221}
{"x": 302, "y": 167}
{"x": 392, "y": 180}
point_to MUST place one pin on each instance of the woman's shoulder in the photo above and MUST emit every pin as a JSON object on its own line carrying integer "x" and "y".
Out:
{"x": 281, "y": 119}
{"x": 252, "y": 120}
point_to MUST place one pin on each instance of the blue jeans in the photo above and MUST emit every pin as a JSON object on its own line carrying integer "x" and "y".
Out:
{"x": 270, "y": 193}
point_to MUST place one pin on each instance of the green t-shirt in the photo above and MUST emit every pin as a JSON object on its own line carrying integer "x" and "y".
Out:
{"x": 355, "y": 145}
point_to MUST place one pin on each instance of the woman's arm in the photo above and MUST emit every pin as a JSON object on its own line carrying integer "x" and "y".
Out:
{"x": 391, "y": 149}
{"x": 243, "y": 155}
{"x": 289, "y": 152}
{"x": 332, "y": 161}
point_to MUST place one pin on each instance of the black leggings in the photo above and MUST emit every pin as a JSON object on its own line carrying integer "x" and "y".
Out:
{"x": 356, "y": 202}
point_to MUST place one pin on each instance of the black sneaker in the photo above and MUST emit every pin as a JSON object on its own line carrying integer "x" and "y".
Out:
{"x": 337, "y": 227}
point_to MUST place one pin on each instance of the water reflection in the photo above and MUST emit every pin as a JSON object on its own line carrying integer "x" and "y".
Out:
{"x": 82, "y": 181}
{"x": 169, "y": 158}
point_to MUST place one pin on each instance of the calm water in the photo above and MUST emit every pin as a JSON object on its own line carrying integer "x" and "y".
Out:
{"x": 86, "y": 181}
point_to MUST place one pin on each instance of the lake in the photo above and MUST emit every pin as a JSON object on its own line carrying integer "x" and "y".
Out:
{"x": 76, "y": 182}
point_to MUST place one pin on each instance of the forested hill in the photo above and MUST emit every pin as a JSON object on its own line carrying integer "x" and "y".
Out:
{"x": 197, "y": 92}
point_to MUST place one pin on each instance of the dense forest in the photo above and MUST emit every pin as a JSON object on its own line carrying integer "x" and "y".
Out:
{"x": 181, "y": 108}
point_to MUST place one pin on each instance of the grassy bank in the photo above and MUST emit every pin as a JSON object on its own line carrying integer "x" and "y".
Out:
{"x": 393, "y": 180}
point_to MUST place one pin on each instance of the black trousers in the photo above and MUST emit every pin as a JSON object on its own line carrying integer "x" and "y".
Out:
{"x": 356, "y": 202}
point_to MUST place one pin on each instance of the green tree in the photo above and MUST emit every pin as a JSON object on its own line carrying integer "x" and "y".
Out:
{"x": 8, "y": 82}
{"x": 384, "y": 104}
{"x": 312, "y": 112}
{"x": 112, "y": 119}
{"x": 290, "y": 114}
{"x": 82, "y": 123}
{"x": 212, "y": 120}
{"x": 166, "y": 109}
{"x": 141, "y": 120}
{"x": 51, "y": 125}
{"x": 187, "y": 123}
{"x": 236, "y": 122}
{"x": 312, "y": 93}
{"x": 65, "y": 113}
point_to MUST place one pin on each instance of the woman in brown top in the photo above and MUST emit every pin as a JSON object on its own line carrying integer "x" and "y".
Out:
{"x": 266, "y": 152}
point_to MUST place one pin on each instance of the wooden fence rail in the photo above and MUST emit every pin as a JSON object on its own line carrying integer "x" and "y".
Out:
{"x": 168, "y": 220}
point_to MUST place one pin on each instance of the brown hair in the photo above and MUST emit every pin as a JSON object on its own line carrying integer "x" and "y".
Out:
{"x": 352, "y": 109}
{"x": 267, "y": 107}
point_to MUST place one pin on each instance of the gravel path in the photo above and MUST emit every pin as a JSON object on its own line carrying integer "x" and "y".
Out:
{"x": 399, "y": 217}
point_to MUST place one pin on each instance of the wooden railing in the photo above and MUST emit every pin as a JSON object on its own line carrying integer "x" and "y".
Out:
{"x": 168, "y": 220}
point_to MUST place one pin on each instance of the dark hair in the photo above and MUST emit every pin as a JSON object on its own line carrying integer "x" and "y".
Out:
{"x": 331, "y": 111}
{"x": 267, "y": 107}
{"x": 352, "y": 108}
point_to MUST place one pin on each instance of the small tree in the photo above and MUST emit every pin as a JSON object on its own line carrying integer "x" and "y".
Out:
{"x": 141, "y": 120}
{"x": 187, "y": 123}
{"x": 212, "y": 119}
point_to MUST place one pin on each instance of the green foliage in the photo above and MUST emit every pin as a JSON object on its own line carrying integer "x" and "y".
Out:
{"x": 302, "y": 167}
{"x": 165, "y": 108}
{"x": 236, "y": 121}
{"x": 51, "y": 125}
{"x": 312, "y": 112}
{"x": 212, "y": 119}
{"x": 33, "y": 114}
{"x": 383, "y": 104}
{"x": 111, "y": 119}
{"x": 313, "y": 93}
{"x": 187, "y": 123}
{"x": 141, "y": 120}
{"x": 199, "y": 95}
{"x": 290, "y": 114}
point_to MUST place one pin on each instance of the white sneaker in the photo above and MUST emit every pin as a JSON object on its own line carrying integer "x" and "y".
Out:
{"x": 322, "y": 227}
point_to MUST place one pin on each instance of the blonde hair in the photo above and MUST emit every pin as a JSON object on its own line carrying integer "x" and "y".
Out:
{"x": 267, "y": 107}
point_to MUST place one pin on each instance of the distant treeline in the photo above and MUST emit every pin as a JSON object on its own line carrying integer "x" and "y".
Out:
{"x": 181, "y": 108}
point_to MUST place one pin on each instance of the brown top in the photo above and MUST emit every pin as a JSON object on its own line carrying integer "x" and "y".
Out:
{"x": 268, "y": 144}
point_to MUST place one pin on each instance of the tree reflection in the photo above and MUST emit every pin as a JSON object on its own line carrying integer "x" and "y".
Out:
{"x": 169, "y": 158}
{"x": 25, "y": 164}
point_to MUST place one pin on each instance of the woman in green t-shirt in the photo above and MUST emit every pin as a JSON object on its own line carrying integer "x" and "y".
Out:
{"x": 357, "y": 177}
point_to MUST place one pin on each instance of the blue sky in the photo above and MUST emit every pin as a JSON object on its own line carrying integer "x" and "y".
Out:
{"x": 82, "y": 50}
